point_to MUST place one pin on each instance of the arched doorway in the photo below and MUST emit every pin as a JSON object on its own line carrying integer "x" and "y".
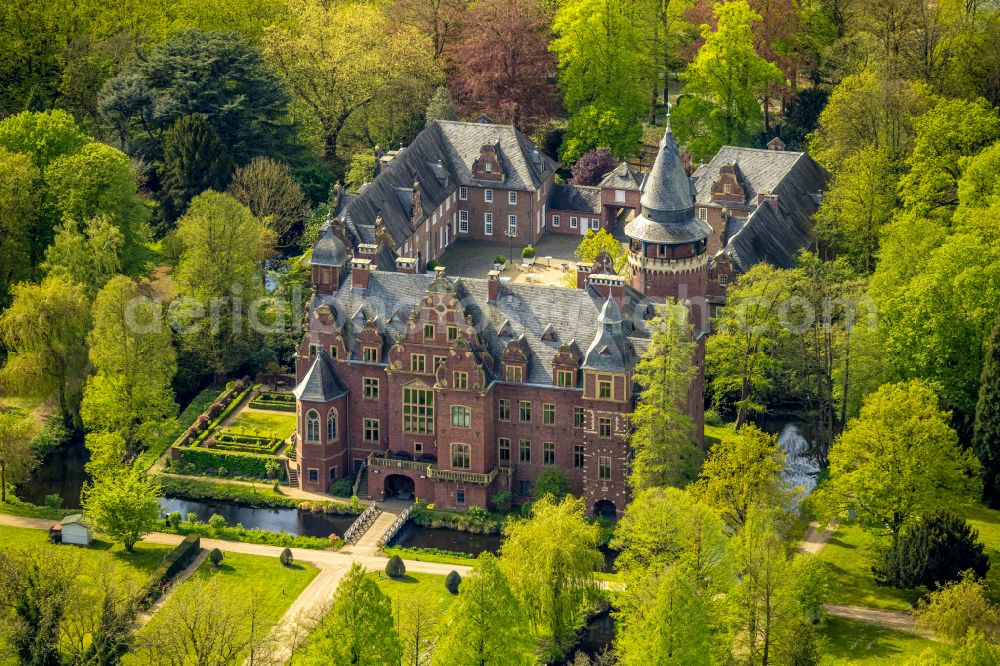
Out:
{"x": 398, "y": 486}
{"x": 605, "y": 509}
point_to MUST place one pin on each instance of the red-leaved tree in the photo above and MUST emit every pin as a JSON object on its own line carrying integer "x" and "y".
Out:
{"x": 503, "y": 65}
{"x": 592, "y": 165}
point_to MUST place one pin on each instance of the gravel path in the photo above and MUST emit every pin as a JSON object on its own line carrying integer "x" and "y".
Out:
{"x": 891, "y": 619}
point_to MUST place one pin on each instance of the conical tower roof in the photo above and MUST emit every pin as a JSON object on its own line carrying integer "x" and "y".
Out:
{"x": 667, "y": 200}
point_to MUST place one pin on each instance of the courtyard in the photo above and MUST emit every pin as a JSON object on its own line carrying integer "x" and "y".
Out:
{"x": 553, "y": 259}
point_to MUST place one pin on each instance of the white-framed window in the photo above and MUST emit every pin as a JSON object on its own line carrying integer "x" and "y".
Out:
{"x": 489, "y": 167}
{"x": 703, "y": 214}
{"x": 595, "y": 223}
{"x": 463, "y": 193}
{"x": 572, "y": 222}
{"x": 723, "y": 280}
{"x": 555, "y": 220}
{"x": 488, "y": 195}
{"x": 512, "y": 197}
{"x": 619, "y": 196}
{"x": 488, "y": 224}
{"x": 512, "y": 224}
{"x": 727, "y": 188}
{"x": 463, "y": 221}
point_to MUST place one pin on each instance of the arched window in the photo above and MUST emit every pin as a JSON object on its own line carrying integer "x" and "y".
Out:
{"x": 461, "y": 456}
{"x": 312, "y": 426}
{"x": 331, "y": 426}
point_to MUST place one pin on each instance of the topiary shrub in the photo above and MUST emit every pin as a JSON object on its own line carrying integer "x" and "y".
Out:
{"x": 528, "y": 253}
{"x": 500, "y": 259}
{"x": 395, "y": 568}
{"x": 215, "y": 557}
{"x": 933, "y": 552}
{"x": 216, "y": 522}
{"x": 286, "y": 557}
{"x": 452, "y": 582}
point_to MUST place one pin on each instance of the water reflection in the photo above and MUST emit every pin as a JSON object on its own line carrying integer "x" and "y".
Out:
{"x": 291, "y": 521}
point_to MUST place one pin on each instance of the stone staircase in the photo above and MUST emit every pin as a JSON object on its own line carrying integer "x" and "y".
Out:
{"x": 363, "y": 483}
{"x": 293, "y": 475}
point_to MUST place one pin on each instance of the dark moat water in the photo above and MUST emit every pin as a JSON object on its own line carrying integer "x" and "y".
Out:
{"x": 291, "y": 521}
{"x": 414, "y": 536}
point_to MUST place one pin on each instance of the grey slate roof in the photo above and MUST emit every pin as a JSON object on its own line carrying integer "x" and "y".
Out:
{"x": 441, "y": 158}
{"x": 610, "y": 349}
{"x": 322, "y": 381}
{"x": 667, "y": 201}
{"x": 328, "y": 249}
{"x": 525, "y": 311}
{"x": 580, "y": 198}
{"x": 761, "y": 171}
{"x": 622, "y": 177}
{"x": 774, "y": 237}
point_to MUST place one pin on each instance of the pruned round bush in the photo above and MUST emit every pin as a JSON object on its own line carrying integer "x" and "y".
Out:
{"x": 215, "y": 557}
{"x": 933, "y": 552}
{"x": 216, "y": 522}
{"x": 286, "y": 557}
{"x": 528, "y": 252}
{"x": 395, "y": 568}
{"x": 452, "y": 582}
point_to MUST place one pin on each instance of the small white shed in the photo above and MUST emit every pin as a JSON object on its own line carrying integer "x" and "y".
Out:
{"x": 74, "y": 530}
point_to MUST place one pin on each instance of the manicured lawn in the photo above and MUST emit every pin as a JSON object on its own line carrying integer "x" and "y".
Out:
{"x": 269, "y": 424}
{"x": 846, "y": 641}
{"x": 849, "y": 556}
{"x": 422, "y": 555}
{"x": 987, "y": 522}
{"x": 274, "y": 585}
{"x": 715, "y": 434}
{"x": 427, "y": 590}
{"x": 142, "y": 562}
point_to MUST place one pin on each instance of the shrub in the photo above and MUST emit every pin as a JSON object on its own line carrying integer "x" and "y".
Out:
{"x": 432, "y": 264}
{"x": 273, "y": 469}
{"x": 215, "y": 557}
{"x": 712, "y": 417}
{"x": 286, "y": 557}
{"x": 528, "y": 253}
{"x": 216, "y": 522}
{"x": 933, "y": 552}
{"x": 951, "y": 612}
{"x": 192, "y": 518}
{"x": 478, "y": 513}
{"x": 502, "y": 501}
{"x": 174, "y": 518}
{"x": 241, "y": 464}
{"x": 500, "y": 259}
{"x": 526, "y": 509}
{"x": 53, "y": 501}
{"x": 174, "y": 562}
{"x": 452, "y": 582}
{"x": 395, "y": 568}
{"x": 552, "y": 482}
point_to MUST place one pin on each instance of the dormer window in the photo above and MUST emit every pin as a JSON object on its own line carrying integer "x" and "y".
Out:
{"x": 488, "y": 167}
{"x": 727, "y": 189}
{"x": 703, "y": 214}
{"x": 514, "y": 373}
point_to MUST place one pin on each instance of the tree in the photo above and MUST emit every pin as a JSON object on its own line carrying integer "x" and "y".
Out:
{"x": 441, "y": 107}
{"x": 102, "y": 631}
{"x": 662, "y": 440}
{"x": 134, "y": 364}
{"x": 727, "y": 78}
{"x": 223, "y": 247}
{"x": 672, "y": 628}
{"x": 900, "y": 434}
{"x": 36, "y": 585}
{"x": 194, "y": 160}
{"x": 550, "y": 560}
{"x": 933, "y": 552}
{"x": 124, "y": 504}
{"x": 358, "y": 629}
{"x": 44, "y": 136}
{"x": 743, "y": 473}
{"x": 395, "y": 568}
{"x": 107, "y": 453}
{"x": 958, "y": 607}
{"x": 503, "y": 65}
{"x": 601, "y": 75}
{"x": 452, "y": 582}
{"x": 272, "y": 194}
{"x": 19, "y": 199}
{"x": 593, "y": 166}
{"x": 859, "y": 203}
{"x": 486, "y": 625}
{"x": 361, "y": 170}
{"x": 986, "y": 438}
{"x": 739, "y": 357}
{"x": 441, "y": 20}
{"x": 17, "y": 456}
{"x": 87, "y": 256}
{"x": 338, "y": 59}
{"x": 45, "y": 333}
{"x": 552, "y": 483}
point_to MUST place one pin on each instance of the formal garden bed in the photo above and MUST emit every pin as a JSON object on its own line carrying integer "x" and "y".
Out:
{"x": 278, "y": 402}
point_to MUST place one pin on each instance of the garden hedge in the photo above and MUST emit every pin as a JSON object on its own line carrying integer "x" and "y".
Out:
{"x": 237, "y": 464}
{"x": 174, "y": 563}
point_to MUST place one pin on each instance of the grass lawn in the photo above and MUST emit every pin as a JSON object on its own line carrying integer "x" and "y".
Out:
{"x": 421, "y": 555}
{"x": 844, "y": 641}
{"x": 849, "y": 557}
{"x": 145, "y": 558}
{"x": 427, "y": 590}
{"x": 14, "y": 506}
{"x": 265, "y": 424}
{"x": 715, "y": 434}
{"x": 276, "y": 587}
{"x": 987, "y": 522}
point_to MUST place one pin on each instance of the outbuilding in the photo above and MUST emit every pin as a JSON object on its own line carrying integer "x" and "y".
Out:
{"x": 73, "y": 530}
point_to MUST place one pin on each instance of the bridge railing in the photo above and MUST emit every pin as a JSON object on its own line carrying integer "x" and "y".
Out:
{"x": 362, "y": 523}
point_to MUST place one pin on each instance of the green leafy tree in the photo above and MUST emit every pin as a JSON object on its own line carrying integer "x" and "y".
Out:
{"x": 553, "y": 483}
{"x": 107, "y": 453}
{"x": 88, "y": 256}
{"x": 486, "y": 625}
{"x": 224, "y": 245}
{"x": 550, "y": 560}
{"x": 19, "y": 200}
{"x": 673, "y": 627}
{"x": 194, "y": 160}
{"x": 45, "y": 333}
{"x": 17, "y": 456}
{"x": 954, "y": 610}
{"x": 726, "y": 80}
{"x": 665, "y": 451}
{"x": 44, "y": 136}
{"x": 743, "y": 473}
{"x": 134, "y": 364}
{"x": 123, "y": 504}
{"x": 739, "y": 356}
{"x": 986, "y": 437}
{"x": 900, "y": 434}
{"x": 593, "y": 244}
{"x": 441, "y": 107}
{"x": 361, "y": 170}
{"x": 359, "y": 628}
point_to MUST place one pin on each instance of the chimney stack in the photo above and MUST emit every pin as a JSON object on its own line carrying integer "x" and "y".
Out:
{"x": 609, "y": 285}
{"x": 582, "y": 273}
{"x": 406, "y": 265}
{"x": 493, "y": 285}
{"x": 360, "y": 271}
{"x": 367, "y": 251}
